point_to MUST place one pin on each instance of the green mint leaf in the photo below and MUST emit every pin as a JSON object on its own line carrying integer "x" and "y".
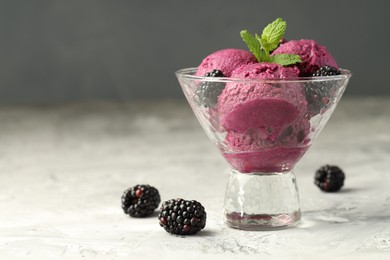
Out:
{"x": 285, "y": 59}
{"x": 272, "y": 34}
{"x": 261, "y": 46}
{"x": 253, "y": 44}
{"x": 264, "y": 47}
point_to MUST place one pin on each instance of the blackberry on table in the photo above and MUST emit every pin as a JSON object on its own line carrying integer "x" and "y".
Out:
{"x": 329, "y": 178}
{"x": 140, "y": 200}
{"x": 182, "y": 217}
{"x": 326, "y": 71}
{"x": 207, "y": 92}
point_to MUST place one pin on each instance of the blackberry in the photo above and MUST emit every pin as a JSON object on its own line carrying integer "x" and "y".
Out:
{"x": 182, "y": 217}
{"x": 326, "y": 71}
{"x": 317, "y": 96}
{"x": 329, "y": 178}
{"x": 140, "y": 200}
{"x": 320, "y": 95}
{"x": 206, "y": 94}
{"x": 214, "y": 74}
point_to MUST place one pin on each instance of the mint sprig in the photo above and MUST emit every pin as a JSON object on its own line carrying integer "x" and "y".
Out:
{"x": 261, "y": 47}
{"x": 253, "y": 44}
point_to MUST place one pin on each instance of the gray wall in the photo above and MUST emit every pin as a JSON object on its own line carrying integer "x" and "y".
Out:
{"x": 68, "y": 51}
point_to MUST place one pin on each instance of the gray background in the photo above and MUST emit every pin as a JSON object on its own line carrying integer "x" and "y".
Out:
{"x": 70, "y": 51}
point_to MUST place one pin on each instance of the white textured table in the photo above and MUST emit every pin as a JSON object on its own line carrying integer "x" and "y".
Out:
{"x": 63, "y": 170}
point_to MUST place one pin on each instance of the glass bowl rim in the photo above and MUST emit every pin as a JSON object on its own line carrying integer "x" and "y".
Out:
{"x": 188, "y": 73}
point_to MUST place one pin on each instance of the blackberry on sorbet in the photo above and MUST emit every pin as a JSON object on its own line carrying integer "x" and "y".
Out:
{"x": 326, "y": 71}
{"x": 329, "y": 178}
{"x": 140, "y": 200}
{"x": 319, "y": 97}
{"x": 182, "y": 217}
{"x": 207, "y": 92}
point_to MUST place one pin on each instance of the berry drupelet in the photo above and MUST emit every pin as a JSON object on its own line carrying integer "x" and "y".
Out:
{"x": 207, "y": 92}
{"x": 182, "y": 217}
{"x": 140, "y": 200}
{"x": 329, "y": 178}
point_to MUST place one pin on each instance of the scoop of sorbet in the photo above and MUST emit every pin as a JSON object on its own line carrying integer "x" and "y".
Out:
{"x": 244, "y": 105}
{"x": 313, "y": 55}
{"x": 225, "y": 60}
{"x": 264, "y": 121}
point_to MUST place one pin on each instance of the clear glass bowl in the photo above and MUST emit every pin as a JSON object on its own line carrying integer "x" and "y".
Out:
{"x": 262, "y": 128}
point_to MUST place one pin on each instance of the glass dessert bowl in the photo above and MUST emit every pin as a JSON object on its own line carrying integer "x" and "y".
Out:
{"x": 262, "y": 127}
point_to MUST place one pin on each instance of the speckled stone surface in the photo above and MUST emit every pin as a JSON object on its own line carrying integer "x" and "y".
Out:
{"x": 63, "y": 170}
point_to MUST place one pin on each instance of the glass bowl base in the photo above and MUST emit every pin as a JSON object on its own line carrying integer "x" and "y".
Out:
{"x": 261, "y": 201}
{"x": 262, "y": 222}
